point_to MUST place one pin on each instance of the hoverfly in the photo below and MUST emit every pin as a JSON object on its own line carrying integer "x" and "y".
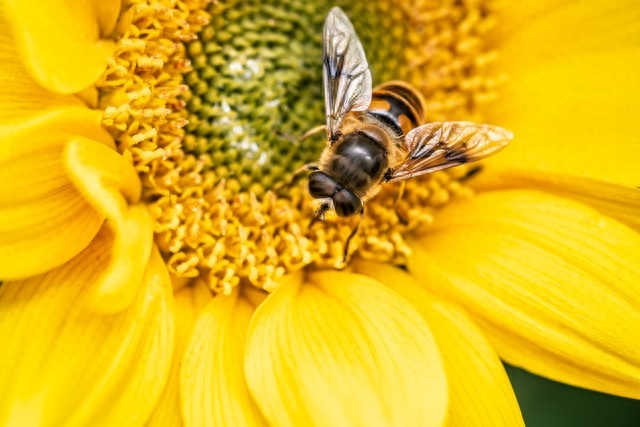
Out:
{"x": 377, "y": 136}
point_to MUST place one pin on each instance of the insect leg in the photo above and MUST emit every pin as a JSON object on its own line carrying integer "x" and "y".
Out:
{"x": 313, "y": 131}
{"x": 296, "y": 139}
{"x": 401, "y": 219}
{"x": 351, "y": 236}
{"x": 471, "y": 173}
{"x": 309, "y": 167}
{"x": 308, "y": 134}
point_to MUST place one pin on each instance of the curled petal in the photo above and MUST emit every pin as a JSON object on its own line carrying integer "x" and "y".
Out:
{"x": 479, "y": 390}
{"x": 65, "y": 364}
{"x": 21, "y": 97}
{"x": 343, "y": 349}
{"x": 61, "y": 42}
{"x": 44, "y": 220}
{"x": 552, "y": 283}
{"x": 110, "y": 184}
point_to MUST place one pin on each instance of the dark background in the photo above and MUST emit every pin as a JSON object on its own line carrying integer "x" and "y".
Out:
{"x": 546, "y": 403}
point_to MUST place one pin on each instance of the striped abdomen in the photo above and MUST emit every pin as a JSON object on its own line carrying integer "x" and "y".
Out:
{"x": 397, "y": 105}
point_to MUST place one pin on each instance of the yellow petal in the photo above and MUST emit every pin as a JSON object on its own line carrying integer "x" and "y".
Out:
{"x": 573, "y": 90}
{"x": 106, "y": 12}
{"x": 343, "y": 349}
{"x": 60, "y": 42}
{"x": 147, "y": 374}
{"x": 554, "y": 284}
{"x": 617, "y": 201}
{"x": 110, "y": 184}
{"x": 65, "y": 364}
{"x": 189, "y": 303}
{"x": 213, "y": 388}
{"x": 51, "y": 127}
{"x": 479, "y": 390}
{"x": 44, "y": 221}
{"x": 21, "y": 97}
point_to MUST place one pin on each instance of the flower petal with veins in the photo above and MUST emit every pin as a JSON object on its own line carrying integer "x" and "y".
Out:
{"x": 573, "y": 90}
{"x": 55, "y": 345}
{"x": 77, "y": 55}
{"x": 469, "y": 360}
{"x": 552, "y": 283}
{"x": 343, "y": 349}
{"x": 213, "y": 387}
{"x": 44, "y": 220}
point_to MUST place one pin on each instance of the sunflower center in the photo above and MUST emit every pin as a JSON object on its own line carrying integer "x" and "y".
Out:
{"x": 255, "y": 87}
{"x": 250, "y": 76}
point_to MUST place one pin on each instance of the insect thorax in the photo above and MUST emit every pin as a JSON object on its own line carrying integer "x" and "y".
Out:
{"x": 358, "y": 162}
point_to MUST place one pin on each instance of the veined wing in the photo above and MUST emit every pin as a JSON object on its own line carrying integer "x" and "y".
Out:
{"x": 347, "y": 78}
{"x": 441, "y": 145}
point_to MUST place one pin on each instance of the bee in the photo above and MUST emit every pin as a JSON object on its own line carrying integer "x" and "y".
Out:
{"x": 378, "y": 136}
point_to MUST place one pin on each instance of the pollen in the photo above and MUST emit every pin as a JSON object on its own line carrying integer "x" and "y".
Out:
{"x": 209, "y": 100}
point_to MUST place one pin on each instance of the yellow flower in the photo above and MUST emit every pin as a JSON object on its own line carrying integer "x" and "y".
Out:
{"x": 122, "y": 214}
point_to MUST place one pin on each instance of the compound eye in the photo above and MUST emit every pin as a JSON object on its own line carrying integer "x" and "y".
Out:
{"x": 321, "y": 185}
{"x": 346, "y": 203}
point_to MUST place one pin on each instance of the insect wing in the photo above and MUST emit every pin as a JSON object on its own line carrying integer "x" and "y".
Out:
{"x": 347, "y": 78}
{"x": 441, "y": 145}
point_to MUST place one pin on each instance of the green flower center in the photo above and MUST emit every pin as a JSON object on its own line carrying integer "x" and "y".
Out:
{"x": 256, "y": 84}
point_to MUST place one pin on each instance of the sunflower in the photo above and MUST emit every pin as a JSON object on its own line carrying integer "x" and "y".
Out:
{"x": 152, "y": 276}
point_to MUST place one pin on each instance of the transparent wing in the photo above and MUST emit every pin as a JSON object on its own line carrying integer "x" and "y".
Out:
{"x": 347, "y": 79}
{"x": 441, "y": 145}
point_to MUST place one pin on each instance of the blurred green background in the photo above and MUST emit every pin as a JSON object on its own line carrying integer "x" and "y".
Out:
{"x": 546, "y": 403}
